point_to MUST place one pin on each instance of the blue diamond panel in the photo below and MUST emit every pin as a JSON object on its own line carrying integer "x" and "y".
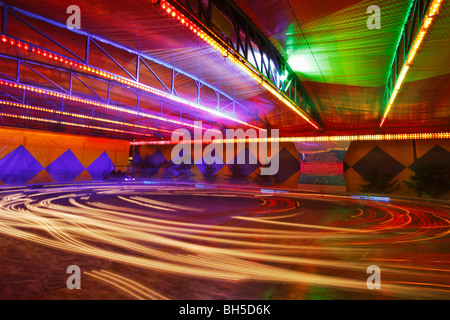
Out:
{"x": 289, "y": 165}
{"x": 19, "y": 166}
{"x": 249, "y": 163}
{"x": 216, "y": 166}
{"x": 101, "y": 167}
{"x": 157, "y": 158}
{"x": 66, "y": 168}
{"x": 137, "y": 158}
{"x": 380, "y": 160}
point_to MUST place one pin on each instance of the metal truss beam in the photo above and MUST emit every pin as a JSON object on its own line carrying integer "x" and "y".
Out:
{"x": 416, "y": 15}
{"x": 37, "y": 95}
{"x": 139, "y": 57}
{"x": 76, "y": 74}
{"x": 251, "y": 44}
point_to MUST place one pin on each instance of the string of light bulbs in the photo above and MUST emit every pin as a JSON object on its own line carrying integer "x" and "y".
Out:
{"x": 433, "y": 11}
{"x": 367, "y": 137}
{"x": 80, "y": 116}
{"x": 66, "y": 123}
{"x": 230, "y": 54}
{"x": 81, "y": 67}
{"x": 40, "y": 90}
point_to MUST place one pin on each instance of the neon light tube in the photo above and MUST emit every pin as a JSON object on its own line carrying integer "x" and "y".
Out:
{"x": 80, "y": 116}
{"x": 401, "y": 77}
{"x": 95, "y": 103}
{"x": 426, "y": 23}
{"x": 184, "y": 101}
{"x": 369, "y": 137}
{"x": 16, "y": 116}
{"x": 68, "y": 62}
{"x": 225, "y": 49}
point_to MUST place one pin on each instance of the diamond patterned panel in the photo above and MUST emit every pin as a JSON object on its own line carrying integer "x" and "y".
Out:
{"x": 346, "y": 166}
{"x": 288, "y": 165}
{"x": 101, "y": 167}
{"x": 377, "y": 158}
{"x": 157, "y": 158}
{"x": 65, "y": 168}
{"x": 250, "y": 159}
{"x": 137, "y": 158}
{"x": 435, "y": 154}
{"x": 19, "y": 166}
{"x": 215, "y": 165}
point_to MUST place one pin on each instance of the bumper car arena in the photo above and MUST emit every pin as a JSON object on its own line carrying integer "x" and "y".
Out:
{"x": 224, "y": 150}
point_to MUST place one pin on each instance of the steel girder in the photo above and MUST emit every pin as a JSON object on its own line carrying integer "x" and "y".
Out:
{"x": 416, "y": 15}
{"x": 224, "y": 101}
{"x": 252, "y": 45}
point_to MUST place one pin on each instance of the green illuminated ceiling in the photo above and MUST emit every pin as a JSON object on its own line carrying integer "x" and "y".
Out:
{"x": 344, "y": 65}
{"x": 341, "y": 49}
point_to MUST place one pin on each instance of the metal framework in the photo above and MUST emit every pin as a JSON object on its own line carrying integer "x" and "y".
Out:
{"x": 416, "y": 15}
{"x": 131, "y": 81}
{"x": 251, "y": 45}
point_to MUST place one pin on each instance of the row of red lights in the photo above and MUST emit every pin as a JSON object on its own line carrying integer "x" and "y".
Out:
{"x": 18, "y": 116}
{"x": 54, "y": 57}
{"x": 224, "y": 50}
{"x": 79, "y": 116}
{"x": 174, "y": 13}
{"x": 83, "y": 67}
{"x": 369, "y": 137}
{"x": 90, "y": 102}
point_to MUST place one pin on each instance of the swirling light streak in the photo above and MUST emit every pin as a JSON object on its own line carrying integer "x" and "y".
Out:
{"x": 129, "y": 286}
{"x": 72, "y": 220}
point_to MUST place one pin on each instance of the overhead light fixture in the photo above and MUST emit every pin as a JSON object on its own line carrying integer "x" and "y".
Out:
{"x": 300, "y": 63}
{"x": 433, "y": 11}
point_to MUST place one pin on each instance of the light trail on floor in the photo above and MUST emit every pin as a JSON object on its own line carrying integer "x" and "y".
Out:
{"x": 266, "y": 239}
{"x": 126, "y": 285}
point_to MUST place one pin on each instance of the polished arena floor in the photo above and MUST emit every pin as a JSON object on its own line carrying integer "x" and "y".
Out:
{"x": 139, "y": 241}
